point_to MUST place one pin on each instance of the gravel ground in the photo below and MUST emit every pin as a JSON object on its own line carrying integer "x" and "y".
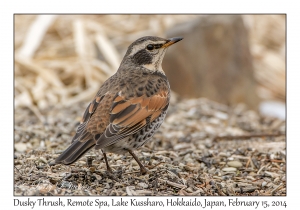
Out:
{"x": 202, "y": 148}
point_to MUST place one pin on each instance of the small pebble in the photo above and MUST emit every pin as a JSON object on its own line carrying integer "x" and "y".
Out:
{"x": 42, "y": 159}
{"x": 143, "y": 185}
{"x": 134, "y": 163}
{"x": 42, "y": 144}
{"x": 221, "y": 115}
{"x": 223, "y": 154}
{"x": 229, "y": 169}
{"x": 264, "y": 183}
{"x": 20, "y": 147}
{"x": 212, "y": 171}
{"x": 181, "y": 165}
{"x": 189, "y": 160}
{"x": 235, "y": 164}
{"x": 119, "y": 162}
{"x": 252, "y": 173}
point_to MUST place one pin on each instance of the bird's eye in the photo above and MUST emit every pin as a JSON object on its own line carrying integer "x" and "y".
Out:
{"x": 150, "y": 47}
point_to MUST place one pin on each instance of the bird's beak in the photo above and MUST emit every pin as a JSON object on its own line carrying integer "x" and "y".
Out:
{"x": 172, "y": 41}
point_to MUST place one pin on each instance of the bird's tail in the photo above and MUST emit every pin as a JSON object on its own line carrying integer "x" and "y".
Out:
{"x": 74, "y": 152}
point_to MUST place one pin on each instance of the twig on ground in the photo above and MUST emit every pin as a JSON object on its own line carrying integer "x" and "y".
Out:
{"x": 229, "y": 137}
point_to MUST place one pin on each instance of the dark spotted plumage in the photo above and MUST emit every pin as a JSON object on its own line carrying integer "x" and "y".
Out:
{"x": 129, "y": 107}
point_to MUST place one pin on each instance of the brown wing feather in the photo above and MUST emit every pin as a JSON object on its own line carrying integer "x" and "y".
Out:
{"x": 127, "y": 119}
{"x": 81, "y": 133}
{"x": 100, "y": 118}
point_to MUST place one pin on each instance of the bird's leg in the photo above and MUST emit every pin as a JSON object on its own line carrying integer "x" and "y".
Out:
{"x": 142, "y": 168}
{"x": 106, "y": 162}
{"x": 109, "y": 171}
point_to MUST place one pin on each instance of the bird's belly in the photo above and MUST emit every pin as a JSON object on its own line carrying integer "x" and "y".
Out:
{"x": 138, "y": 139}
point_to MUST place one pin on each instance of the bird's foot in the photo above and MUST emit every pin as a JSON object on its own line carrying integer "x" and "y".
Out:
{"x": 143, "y": 170}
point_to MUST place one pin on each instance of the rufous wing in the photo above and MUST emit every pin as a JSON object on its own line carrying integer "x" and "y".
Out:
{"x": 129, "y": 116}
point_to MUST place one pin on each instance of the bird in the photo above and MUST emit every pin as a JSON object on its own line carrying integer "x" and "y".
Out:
{"x": 129, "y": 107}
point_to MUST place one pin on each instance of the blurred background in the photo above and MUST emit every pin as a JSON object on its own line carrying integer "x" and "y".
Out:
{"x": 62, "y": 60}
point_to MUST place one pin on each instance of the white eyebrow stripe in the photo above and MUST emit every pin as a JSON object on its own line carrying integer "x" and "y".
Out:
{"x": 137, "y": 48}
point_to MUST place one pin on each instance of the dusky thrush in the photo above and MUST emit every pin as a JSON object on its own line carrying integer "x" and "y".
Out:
{"x": 129, "y": 107}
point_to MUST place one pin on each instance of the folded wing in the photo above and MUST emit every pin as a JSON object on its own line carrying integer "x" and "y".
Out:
{"x": 129, "y": 116}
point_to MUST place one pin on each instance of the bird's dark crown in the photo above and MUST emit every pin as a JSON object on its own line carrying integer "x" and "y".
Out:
{"x": 146, "y": 38}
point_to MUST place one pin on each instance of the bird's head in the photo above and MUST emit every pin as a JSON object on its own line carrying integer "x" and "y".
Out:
{"x": 149, "y": 51}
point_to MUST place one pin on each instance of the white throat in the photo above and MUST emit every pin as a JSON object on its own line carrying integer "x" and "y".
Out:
{"x": 153, "y": 67}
